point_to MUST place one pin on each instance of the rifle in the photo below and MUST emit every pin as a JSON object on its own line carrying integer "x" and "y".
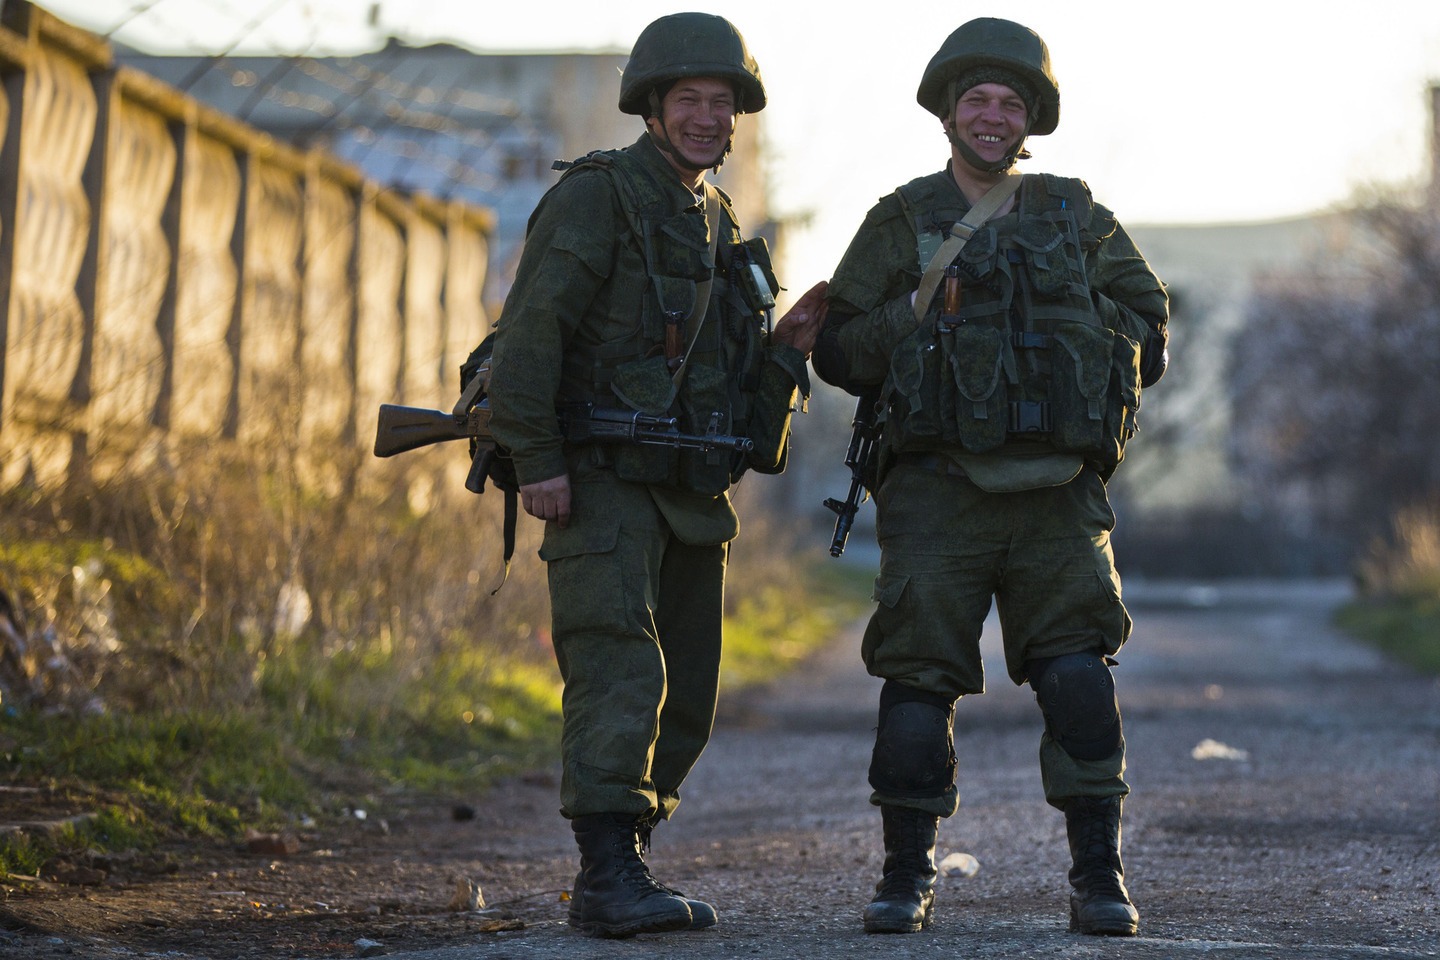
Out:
{"x": 407, "y": 428}
{"x": 860, "y": 458}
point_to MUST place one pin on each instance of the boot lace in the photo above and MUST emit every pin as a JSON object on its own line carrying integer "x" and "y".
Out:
{"x": 633, "y": 869}
{"x": 1099, "y": 868}
{"x": 909, "y": 868}
{"x": 643, "y": 829}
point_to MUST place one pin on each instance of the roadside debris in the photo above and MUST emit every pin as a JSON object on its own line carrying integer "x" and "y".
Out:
{"x": 959, "y": 865}
{"x": 1208, "y": 749}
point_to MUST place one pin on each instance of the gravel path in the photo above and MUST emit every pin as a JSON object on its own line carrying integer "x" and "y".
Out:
{"x": 1286, "y": 804}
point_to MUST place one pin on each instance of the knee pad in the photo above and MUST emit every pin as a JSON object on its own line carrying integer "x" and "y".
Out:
{"x": 1076, "y": 693}
{"x": 914, "y": 753}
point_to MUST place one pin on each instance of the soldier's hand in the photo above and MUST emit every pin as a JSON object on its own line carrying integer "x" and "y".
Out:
{"x": 548, "y": 499}
{"x": 801, "y": 323}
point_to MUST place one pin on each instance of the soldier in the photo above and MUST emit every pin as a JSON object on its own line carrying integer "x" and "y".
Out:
{"x": 1008, "y": 324}
{"x": 636, "y": 290}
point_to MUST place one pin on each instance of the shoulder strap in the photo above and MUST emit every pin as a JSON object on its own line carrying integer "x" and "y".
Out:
{"x": 696, "y": 320}
{"x": 961, "y": 232}
{"x": 1070, "y": 193}
{"x": 638, "y": 195}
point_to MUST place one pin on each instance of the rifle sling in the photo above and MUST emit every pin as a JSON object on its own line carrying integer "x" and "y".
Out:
{"x": 961, "y": 232}
{"x": 512, "y": 513}
{"x": 696, "y": 320}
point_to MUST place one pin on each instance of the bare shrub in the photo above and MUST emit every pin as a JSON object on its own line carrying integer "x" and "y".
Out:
{"x": 218, "y": 557}
{"x": 1406, "y": 563}
{"x": 1337, "y": 404}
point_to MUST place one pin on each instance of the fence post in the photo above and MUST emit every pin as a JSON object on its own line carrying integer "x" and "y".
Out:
{"x": 230, "y": 429}
{"x": 15, "y": 51}
{"x": 172, "y": 222}
{"x": 90, "y": 283}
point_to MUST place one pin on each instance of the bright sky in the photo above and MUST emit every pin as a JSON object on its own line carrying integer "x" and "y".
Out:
{"x": 1172, "y": 110}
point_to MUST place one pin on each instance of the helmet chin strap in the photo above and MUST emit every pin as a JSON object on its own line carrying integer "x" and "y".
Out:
{"x": 665, "y": 145}
{"x": 1017, "y": 152}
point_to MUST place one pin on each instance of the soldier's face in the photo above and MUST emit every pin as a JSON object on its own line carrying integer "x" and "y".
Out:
{"x": 990, "y": 118}
{"x": 698, "y": 116}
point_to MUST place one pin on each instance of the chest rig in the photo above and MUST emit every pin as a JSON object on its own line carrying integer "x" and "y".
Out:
{"x": 697, "y": 342}
{"x": 1014, "y": 353}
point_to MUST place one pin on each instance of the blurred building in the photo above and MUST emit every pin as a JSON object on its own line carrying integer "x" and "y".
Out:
{"x": 451, "y": 122}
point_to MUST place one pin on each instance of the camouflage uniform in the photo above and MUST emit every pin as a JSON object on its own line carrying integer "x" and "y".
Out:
{"x": 986, "y": 487}
{"x": 617, "y": 250}
{"x": 636, "y": 578}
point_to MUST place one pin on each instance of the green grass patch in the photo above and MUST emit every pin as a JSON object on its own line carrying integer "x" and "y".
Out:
{"x": 24, "y": 855}
{"x": 774, "y": 628}
{"x": 454, "y": 722}
{"x": 181, "y": 764}
{"x": 315, "y": 724}
{"x": 115, "y": 827}
{"x": 1405, "y": 627}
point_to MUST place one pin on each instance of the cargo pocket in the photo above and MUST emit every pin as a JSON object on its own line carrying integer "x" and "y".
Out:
{"x": 783, "y": 377}
{"x": 1125, "y": 389}
{"x": 681, "y": 247}
{"x": 887, "y": 623}
{"x": 978, "y": 257}
{"x": 1044, "y": 254}
{"x": 915, "y": 374}
{"x": 1114, "y": 621}
{"x": 1080, "y": 364}
{"x": 676, "y": 296}
{"x": 581, "y": 572}
{"x": 975, "y": 357}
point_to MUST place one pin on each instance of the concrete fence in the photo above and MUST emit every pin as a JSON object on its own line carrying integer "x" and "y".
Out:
{"x": 167, "y": 273}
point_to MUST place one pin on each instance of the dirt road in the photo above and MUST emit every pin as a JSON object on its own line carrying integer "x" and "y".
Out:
{"x": 1286, "y": 804}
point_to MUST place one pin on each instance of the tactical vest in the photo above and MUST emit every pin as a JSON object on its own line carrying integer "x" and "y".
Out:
{"x": 1025, "y": 359}
{"x": 716, "y": 389}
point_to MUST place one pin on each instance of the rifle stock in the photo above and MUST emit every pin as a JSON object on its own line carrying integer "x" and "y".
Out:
{"x": 409, "y": 428}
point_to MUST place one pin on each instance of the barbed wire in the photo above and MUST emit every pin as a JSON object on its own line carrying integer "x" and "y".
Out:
{"x": 362, "y": 81}
{"x": 203, "y": 68}
{"x": 136, "y": 10}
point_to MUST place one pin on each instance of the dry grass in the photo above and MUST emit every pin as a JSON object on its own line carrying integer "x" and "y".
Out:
{"x": 1400, "y": 583}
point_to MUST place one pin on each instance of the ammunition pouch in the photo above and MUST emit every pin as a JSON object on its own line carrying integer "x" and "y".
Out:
{"x": 782, "y": 376}
{"x": 726, "y": 386}
{"x": 1027, "y": 357}
{"x": 644, "y": 385}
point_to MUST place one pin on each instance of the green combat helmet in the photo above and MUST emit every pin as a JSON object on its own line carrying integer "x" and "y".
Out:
{"x": 992, "y": 50}
{"x": 689, "y": 45}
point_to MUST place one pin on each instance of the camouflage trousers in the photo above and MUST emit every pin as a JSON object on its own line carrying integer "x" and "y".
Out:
{"x": 947, "y": 548}
{"x": 635, "y": 616}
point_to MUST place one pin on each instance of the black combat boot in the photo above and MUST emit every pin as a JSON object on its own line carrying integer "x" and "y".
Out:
{"x": 1099, "y": 903}
{"x": 906, "y": 891}
{"x": 615, "y": 896}
{"x": 702, "y": 914}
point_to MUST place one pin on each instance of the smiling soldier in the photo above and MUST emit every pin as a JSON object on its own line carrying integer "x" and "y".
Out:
{"x": 1008, "y": 324}
{"x": 637, "y": 293}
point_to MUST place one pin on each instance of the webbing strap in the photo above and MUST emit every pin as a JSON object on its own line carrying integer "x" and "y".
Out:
{"x": 512, "y": 513}
{"x": 961, "y": 232}
{"x": 696, "y": 320}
